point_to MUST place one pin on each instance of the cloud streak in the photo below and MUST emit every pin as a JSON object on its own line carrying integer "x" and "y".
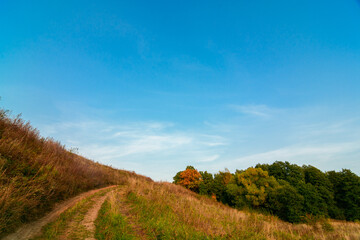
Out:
{"x": 302, "y": 152}
{"x": 257, "y": 110}
{"x": 137, "y": 144}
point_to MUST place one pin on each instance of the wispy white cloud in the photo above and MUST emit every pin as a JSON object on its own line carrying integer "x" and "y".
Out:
{"x": 133, "y": 138}
{"x": 319, "y": 152}
{"x": 160, "y": 149}
{"x": 258, "y": 110}
{"x": 209, "y": 158}
{"x": 324, "y": 156}
{"x": 139, "y": 145}
{"x": 135, "y": 144}
{"x": 298, "y": 135}
{"x": 211, "y": 140}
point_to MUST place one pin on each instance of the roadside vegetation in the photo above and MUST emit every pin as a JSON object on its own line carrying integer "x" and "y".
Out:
{"x": 37, "y": 172}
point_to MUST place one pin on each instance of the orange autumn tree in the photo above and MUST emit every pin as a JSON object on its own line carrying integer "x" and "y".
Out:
{"x": 190, "y": 178}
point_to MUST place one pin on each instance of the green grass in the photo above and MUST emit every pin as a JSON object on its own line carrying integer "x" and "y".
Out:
{"x": 112, "y": 225}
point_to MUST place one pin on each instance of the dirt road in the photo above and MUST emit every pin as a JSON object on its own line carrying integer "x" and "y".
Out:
{"x": 91, "y": 216}
{"x": 32, "y": 229}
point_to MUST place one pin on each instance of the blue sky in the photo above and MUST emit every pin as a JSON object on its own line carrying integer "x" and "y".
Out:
{"x": 154, "y": 86}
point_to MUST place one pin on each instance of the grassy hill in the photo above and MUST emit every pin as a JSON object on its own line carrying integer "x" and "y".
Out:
{"x": 153, "y": 210}
{"x": 36, "y": 173}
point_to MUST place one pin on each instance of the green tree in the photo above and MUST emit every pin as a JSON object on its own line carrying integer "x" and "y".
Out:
{"x": 221, "y": 180}
{"x": 207, "y": 184}
{"x": 251, "y": 187}
{"x": 314, "y": 204}
{"x": 291, "y": 173}
{"x": 320, "y": 192}
{"x": 347, "y": 193}
{"x": 285, "y": 202}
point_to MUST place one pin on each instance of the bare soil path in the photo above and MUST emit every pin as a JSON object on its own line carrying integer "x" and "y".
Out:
{"x": 89, "y": 220}
{"x": 32, "y": 229}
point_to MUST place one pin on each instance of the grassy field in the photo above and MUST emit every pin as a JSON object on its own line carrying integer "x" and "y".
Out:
{"x": 149, "y": 210}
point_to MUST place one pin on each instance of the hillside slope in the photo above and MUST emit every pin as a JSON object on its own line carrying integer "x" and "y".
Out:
{"x": 36, "y": 173}
{"x": 152, "y": 210}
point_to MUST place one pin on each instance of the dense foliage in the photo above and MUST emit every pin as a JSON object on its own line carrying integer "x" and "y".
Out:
{"x": 292, "y": 192}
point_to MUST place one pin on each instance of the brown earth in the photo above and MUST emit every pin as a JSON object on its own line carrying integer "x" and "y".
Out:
{"x": 91, "y": 215}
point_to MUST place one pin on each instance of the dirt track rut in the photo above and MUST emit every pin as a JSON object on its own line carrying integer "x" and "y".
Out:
{"x": 32, "y": 229}
{"x": 91, "y": 216}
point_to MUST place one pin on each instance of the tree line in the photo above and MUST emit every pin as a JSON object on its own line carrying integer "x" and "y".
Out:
{"x": 293, "y": 193}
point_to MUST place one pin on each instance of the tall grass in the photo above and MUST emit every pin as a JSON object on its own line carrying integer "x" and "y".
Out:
{"x": 37, "y": 172}
{"x": 172, "y": 212}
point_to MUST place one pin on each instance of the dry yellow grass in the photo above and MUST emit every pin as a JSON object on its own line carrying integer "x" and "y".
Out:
{"x": 216, "y": 220}
{"x": 35, "y": 173}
